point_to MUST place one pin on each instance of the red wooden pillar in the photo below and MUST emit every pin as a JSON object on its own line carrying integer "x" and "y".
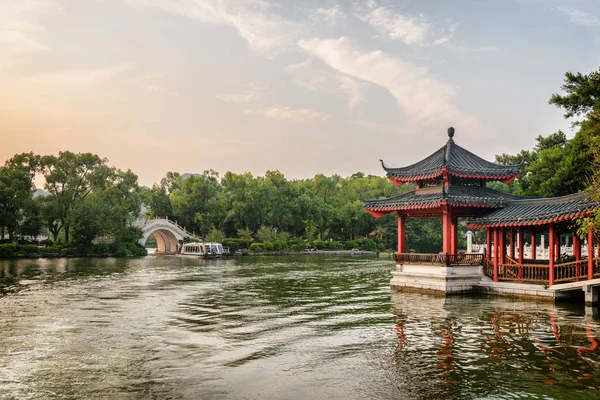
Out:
{"x": 502, "y": 244}
{"x": 401, "y": 233}
{"x": 512, "y": 243}
{"x": 590, "y": 274}
{"x": 446, "y": 230}
{"x": 488, "y": 243}
{"x": 496, "y": 255}
{"x": 577, "y": 254}
{"x": 521, "y": 249}
{"x": 533, "y": 249}
{"x": 455, "y": 235}
{"x": 577, "y": 247}
{"x": 551, "y": 249}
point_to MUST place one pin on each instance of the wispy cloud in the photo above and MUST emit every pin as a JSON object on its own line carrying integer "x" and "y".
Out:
{"x": 421, "y": 96}
{"x": 579, "y": 17}
{"x": 283, "y": 113}
{"x": 20, "y": 27}
{"x": 354, "y": 91}
{"x": 151, "y": 82}
{"x": 411, "y": 30}
{"x": 306, "y": 75}
{"x": 252, "y": 92}
{"x": 158, "y": 89}
{"x": 331, "y": 15}
{"x": 444, "y": 35}
{"x": 237, "y": 98}
{"x": 255, "y": 20}
{"x": 82, "y": 77}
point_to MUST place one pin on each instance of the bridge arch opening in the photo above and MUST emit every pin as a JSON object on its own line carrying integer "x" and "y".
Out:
{"x": 166, "y": 241}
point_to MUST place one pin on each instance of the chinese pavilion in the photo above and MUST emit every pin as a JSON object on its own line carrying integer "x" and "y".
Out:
{"x": 451, "y": 183}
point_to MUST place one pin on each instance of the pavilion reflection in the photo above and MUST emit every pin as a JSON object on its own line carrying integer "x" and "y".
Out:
{"x": 499, "y": 340}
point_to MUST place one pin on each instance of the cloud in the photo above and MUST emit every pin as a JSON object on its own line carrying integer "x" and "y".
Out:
{"x": 158, "y": 89}
{"x": 445, "y": 34}
{"x": 307, "y": 76}
{"x": 148, "y": 81}
{"x": 579, "y": 17}
{"x": 354, "y": 91}
{"x": 252, "y": 92}
{"x": 265, "y": 32}
{"x": 82, "y": 77}
{"x": 331, "y": 15}
{"x": 20, "y": 27}
{"x": 421, "y": 96}
{"x": 237, "y": 98}
{"x": 410, "y": 30}
{"x": 310, "y": 77}
{"x": 281, "y": 113}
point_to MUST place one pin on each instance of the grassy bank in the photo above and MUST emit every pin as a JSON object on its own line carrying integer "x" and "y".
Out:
{"x": 11, "y": 250}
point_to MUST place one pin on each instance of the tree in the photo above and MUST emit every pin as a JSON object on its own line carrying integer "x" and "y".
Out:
{"x": 215, "y": 235}
{"x": 266, "y": 234}
{"x": 70, "y": 177}
{"x": 197, "y": 202}
{"x": 555, "y": 167}
{"x": 50, "y": 214}
{"x": 31, "y": 224}
{"x": 245, "y": 234}
{"x": 582, "y": 94}
{"x": 15, "y": 193}
{"x": 349, "y": 215}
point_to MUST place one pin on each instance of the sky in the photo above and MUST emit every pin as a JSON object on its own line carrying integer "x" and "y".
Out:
{"x": 303, "y": 87}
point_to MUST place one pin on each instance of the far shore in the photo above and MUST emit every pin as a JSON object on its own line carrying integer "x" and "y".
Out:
{"x": 295, "y": 253}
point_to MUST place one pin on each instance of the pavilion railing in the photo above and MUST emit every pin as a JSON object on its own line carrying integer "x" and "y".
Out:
{"x": 523, "y": 272}
{"x": 529, "y": 271}
{"x": 570, "y": 271}
{"x": 488, "y": 268}
{"x": 465, "y": 259}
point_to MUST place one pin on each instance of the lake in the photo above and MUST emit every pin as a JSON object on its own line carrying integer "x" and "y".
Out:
{"x": 312, "y": 327}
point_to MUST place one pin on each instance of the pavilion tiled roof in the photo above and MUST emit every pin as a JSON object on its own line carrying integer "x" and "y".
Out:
{"x": 469, "y": 196}
{"x": 527, "y": 211}
{"x": 457, "y": 161}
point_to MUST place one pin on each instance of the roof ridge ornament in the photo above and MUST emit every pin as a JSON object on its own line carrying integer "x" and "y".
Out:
{"x": 446, "y": 160}
{"x": 385, "y": 167}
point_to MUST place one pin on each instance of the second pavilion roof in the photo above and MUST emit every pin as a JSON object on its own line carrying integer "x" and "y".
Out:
{"x": 457, "y": 161}
{"x": 537, "y": 211}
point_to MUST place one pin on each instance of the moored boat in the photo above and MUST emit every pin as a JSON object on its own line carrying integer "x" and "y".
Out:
{"x": 209, "y": 250}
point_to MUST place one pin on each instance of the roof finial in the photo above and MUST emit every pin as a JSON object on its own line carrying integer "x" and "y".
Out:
{"x": 451, "y": 132}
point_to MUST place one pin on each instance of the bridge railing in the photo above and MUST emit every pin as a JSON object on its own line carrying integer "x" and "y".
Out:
{"x": 149, "y": 222}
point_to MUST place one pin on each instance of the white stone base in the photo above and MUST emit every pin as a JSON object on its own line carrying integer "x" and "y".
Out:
{"x": 517, "y": 290}
{"x": 431, "y": 278}
{"x": 465, "y": 279}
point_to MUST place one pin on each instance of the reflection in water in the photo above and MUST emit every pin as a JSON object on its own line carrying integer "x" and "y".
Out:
{"x": 272, "y": 328}
{"x": 497, "y": 347}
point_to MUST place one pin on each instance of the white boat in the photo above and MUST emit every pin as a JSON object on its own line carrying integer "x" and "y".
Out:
{"x": 210, "y": 249}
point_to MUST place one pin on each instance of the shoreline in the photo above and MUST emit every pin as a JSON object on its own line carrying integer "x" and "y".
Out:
{"x": 248, "y": 254}
{"x": 311, "y": 253}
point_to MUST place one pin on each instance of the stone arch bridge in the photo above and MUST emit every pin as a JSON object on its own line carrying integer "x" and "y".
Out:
{"x": 166, "y": 232}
